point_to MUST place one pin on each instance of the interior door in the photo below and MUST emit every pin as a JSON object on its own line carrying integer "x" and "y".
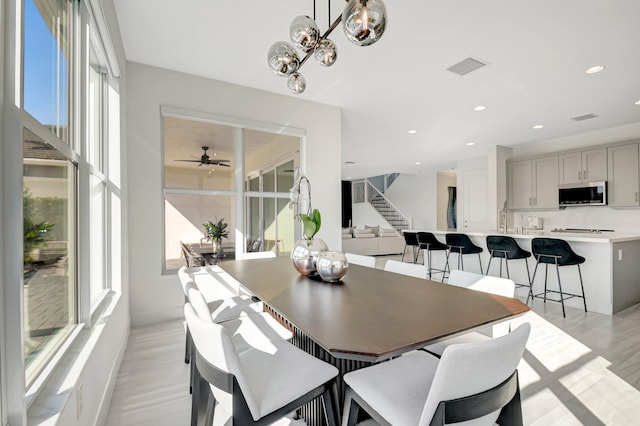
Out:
{"x": 475, "y": 207}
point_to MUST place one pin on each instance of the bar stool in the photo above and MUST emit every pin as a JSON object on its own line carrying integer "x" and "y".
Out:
{"x": 461, "y": 244}
{"x": 507, "y": 248}
{"x": 556, "y": 252}
{"x": 427, "y": 241}
{"x": 410, "y": 239}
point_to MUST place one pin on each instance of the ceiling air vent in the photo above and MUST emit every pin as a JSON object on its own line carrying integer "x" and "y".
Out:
{"x": 349, "y": 162}
{"x": 465, "y": 66}
{"x": 584, "y": 117}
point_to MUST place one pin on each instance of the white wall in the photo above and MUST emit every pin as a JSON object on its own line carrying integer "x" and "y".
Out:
{"x": 415, "y": 196}
{"x": 155, "y": 297}
{"x": 364, "y": 214}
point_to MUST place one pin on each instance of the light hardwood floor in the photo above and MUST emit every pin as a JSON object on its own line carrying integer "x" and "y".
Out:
{"x": 584, "y": 369}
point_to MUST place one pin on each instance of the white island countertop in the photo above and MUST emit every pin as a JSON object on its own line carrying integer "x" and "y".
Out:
{"x": 587, "y": 237}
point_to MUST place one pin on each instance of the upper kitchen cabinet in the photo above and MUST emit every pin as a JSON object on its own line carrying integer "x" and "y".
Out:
{"x": 533, "y": 184}
{"x": 583, "y": 166}
{"x": 623, "y": 183}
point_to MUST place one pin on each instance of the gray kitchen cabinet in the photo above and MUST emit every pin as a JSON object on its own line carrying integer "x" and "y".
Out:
{"x": 533, "y": 184}
{"x": 582, "y": 166}
{"x": 623, "y": 177}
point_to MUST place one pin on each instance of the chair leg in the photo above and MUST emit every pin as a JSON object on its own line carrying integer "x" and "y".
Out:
{"x": 351, "y": 409}
{"x": 211, "y": 408}
{"x": 329, "y": 398}
{"x": 480, "y": 260}
{"x": 490, "y": 259}
{"x": 446, "y": 264}
{"x": 187, "y": 347}
{"x": 403, "y": 252}
{"x": 560, "y": 288}
{"x": 460, "y": 261}
{"x": 506, "y": 266}
{"x": 195, "y": 399}
{"x": 532, "y": 280}
{"x": 546, "y": 272}
{"x": 584, "y": 299}
{"x": 526, "y": 262}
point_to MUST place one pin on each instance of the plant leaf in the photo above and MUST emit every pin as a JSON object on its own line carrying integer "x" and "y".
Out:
{"x": 317, "y": 220}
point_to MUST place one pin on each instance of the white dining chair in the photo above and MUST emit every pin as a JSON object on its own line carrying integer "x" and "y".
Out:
{"x": 411, "y": 269}
{"x": 259, "y": 382}
{"x": 488, "y": 284}
{"x": 473, "y": 381}
{"x": 257, "y": 255}
{"x": 461, "y": 278}
{"x": 362, "y": 260}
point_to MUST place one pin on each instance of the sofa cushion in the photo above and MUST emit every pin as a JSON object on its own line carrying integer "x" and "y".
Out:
{"x": 388, "y": 234}
{"x": 375, "y": 229}
{"x": 357, "y": 232}
{"x": 369, "y": 235}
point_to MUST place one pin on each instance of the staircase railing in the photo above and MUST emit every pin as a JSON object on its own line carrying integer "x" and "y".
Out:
{"x": 372, "y": 192}
{"x": 389, "y": 179}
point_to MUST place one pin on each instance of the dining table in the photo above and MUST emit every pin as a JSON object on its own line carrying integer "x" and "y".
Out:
{"x": 370, "y": 316}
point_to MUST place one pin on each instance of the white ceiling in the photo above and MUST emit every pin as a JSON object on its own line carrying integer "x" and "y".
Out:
{"x": 537, "y": 53}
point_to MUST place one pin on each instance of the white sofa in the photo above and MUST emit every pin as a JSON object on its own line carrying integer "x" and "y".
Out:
{"x": 373, "y": 243}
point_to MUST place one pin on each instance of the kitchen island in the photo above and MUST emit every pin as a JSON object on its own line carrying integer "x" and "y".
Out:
{"x": 611, "y": 272}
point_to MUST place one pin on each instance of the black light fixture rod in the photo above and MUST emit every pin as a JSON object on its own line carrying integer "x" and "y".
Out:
{"x": 324, "y": 36}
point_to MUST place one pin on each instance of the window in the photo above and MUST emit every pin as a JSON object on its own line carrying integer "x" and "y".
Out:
{"x": 47, "y": 49}
{"x": 71, "y": 182}
{"x": 201, "y": 173}
{"x": 49, "y": 219}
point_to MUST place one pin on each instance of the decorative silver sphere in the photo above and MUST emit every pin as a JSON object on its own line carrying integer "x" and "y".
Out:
{"x": 283, "y": 59}
{"x": 304, "y": 33}
{"x": 326, "y": 53}
{"x": 332, "y": 266}
{"x": 304, "y": 255}
{"x": 296, "y": 83}
{"x": 364, "y": 21}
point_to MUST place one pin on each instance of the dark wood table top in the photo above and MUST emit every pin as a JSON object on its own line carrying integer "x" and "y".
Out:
{"x": 373, "y": 314}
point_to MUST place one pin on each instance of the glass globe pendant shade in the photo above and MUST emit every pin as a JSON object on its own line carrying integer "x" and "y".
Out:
{"x": 283, "y": 59}
{"x": 296, "y": 83}
{"x": 326, "y": 53}
{"x": 364, "y": 21}
{"x": 304, "y": 33}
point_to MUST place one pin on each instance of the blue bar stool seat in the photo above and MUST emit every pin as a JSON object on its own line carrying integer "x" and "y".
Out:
{"x": 556, "y": 252}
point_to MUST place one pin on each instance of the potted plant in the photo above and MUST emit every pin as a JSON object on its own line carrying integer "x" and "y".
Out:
{"x": 215, "y": 232}
{"x": 306, "y": 251}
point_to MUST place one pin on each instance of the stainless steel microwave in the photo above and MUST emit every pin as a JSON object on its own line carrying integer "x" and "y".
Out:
{"x": 583, "y": 194}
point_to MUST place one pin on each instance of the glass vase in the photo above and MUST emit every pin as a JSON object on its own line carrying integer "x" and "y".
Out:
{"x": 304, "y": 255}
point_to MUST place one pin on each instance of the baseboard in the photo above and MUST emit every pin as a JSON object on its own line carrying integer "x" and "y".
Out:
{"x": 153, "y": 317}
{"x": 105, "y": 401}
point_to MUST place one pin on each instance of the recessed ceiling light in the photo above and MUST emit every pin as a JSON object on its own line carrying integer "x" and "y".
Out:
{"x": 595, "y": 69}
{"x": 479, "y": 108}
{"x": 418, "y": 163}
{"x": 348, "y": 177}
{"x": 538, "y": 126}
{"x": 471, "y": 143}
{"x": 638, "y": 102}
{"x": 413, "y": 132}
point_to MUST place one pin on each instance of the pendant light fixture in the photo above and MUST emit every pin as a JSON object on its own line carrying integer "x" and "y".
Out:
{"x": 364, "y": 22}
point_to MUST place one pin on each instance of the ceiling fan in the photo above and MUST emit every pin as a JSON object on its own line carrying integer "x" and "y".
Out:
{"x": 206, "y": 160}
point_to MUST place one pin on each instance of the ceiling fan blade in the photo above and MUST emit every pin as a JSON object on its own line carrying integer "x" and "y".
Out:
{"x": 223, "y": 165}
{"x": 190, "y": 161}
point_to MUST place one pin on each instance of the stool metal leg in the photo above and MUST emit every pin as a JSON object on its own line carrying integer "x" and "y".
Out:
{"x": 535, "y": 270}
{"x": 560, "y": 288}
{"x": 506, "y": 266}
{"x": 526, "y": 262}
{"x": 480, "y": 260}
{"x": 446, "y": 264}
{"x": 490, "y": 258}
{"x": 584, "y": 299}
{"x": 546, "y": 273}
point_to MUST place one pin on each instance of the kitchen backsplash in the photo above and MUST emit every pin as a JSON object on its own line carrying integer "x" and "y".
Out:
{"x": 620, "y": 220}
